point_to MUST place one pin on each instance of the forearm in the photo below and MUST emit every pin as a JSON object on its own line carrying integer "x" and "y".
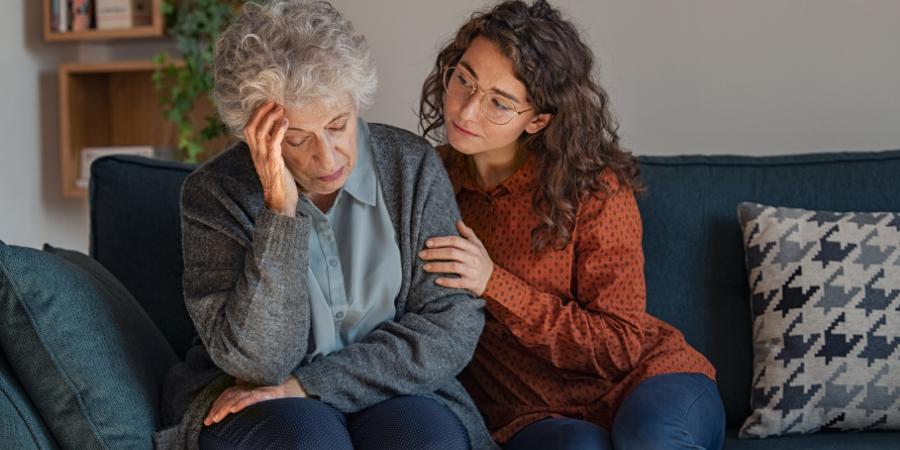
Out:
{"x": 248, "y": 298}
{"x": 414, "y": 356}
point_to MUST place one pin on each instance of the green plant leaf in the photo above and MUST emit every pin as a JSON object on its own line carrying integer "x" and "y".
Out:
{"x": 195, "y": 26}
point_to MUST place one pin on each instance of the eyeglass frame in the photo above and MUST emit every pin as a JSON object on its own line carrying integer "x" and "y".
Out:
{"x": 515, "y": 112}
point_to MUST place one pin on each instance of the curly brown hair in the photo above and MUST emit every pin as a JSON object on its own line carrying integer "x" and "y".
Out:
{"x": 557, "y": 69}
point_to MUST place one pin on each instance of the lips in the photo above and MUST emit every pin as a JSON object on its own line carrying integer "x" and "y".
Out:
{"x": 333, "y": 176}
{"x": 463, "y": 131}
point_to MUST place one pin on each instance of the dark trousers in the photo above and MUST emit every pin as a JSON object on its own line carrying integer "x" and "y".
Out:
{"x": 400, "y": 423}
{"x": 670, "y": 411}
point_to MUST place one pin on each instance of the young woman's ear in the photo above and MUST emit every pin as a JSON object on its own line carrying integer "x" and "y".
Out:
{"x": 538, "y": 123}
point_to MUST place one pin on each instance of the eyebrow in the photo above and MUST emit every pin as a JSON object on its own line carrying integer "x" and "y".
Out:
{"x": 336, "y": 118}
{"x": 472, "y": 71}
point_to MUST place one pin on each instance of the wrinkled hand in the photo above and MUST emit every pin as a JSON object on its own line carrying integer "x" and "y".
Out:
{"x": 464, "y": 256}
{"x": 264, "y": 133}
{"x": 242, "y": 395}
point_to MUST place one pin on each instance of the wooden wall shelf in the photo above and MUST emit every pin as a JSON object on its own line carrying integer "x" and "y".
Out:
{"x": 114, "y": 104}
{"x": 155, "y": 29}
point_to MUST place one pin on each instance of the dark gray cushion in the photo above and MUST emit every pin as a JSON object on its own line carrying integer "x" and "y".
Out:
{"x": 136, "y": 234}
{"x": 88, "y": 356}
{"x": 695, "y": 273}
{"x": 21, "y": 426}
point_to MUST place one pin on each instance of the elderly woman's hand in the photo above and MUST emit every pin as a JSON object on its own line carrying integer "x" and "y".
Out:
{"x": 242, "y": 395}
{"x": 464, "y": 256}
{"x": 264, "y": 133}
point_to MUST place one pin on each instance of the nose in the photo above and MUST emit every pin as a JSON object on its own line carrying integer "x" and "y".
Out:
{"x": 471, "y": 107}
{"x": 326, "y": 154}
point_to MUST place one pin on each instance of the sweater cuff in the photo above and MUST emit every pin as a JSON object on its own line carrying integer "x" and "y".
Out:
{"x": 281, "y": 236}
{"x": 308, "y": 379}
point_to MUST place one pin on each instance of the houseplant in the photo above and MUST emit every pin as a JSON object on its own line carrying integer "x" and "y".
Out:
{"x": 194, "y": 25}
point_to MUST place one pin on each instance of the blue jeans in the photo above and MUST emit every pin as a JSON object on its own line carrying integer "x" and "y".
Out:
{"x": 400, "y": 423}
{"x": 670, "y": 411}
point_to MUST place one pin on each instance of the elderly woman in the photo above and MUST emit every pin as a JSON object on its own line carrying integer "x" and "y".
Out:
{"x": 318, "y": 327}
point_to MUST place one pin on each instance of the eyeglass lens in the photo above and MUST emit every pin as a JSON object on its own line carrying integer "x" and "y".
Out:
{"x": 497, "y": 108}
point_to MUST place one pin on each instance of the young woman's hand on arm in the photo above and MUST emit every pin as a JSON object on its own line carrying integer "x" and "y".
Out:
{"x": 464, "y": 256}
{"x": 601, "y": 331}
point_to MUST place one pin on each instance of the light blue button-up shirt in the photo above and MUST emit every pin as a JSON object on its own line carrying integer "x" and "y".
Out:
{"x": 354, "y": 259}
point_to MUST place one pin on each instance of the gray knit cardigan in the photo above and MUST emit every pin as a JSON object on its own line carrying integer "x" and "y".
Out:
{"x": 245, "y": 288}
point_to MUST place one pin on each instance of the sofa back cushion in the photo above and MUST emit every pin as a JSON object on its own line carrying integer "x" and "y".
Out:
{"x": 136, "y": 234}
{"x": 695, "y": 270}
{"x": 89, "y": 357}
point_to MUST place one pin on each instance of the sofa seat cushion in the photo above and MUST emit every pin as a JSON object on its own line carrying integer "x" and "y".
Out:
{"x": 85, "y": 352}
{"x": 877, "y": 440}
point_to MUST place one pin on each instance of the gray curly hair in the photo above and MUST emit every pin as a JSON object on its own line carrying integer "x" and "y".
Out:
{"x": 293, "y": 52}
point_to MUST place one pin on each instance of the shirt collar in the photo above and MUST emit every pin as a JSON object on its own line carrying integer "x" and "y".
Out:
{"x": 362, "y": 182}
{"x": 520, "y": 182}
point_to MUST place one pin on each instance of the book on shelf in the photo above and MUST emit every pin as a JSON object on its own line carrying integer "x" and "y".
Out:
{"x": 54, "y": 15}
{"x": 82, "y": 15}
{"x": 90, "y": 154}
{"x": 61, "y": 12}
{"x": 113, "y": 14}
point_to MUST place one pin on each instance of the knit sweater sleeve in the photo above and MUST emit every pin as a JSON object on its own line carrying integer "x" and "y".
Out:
{"x": 245, "y": 273}
{"x": 433, "y": 336}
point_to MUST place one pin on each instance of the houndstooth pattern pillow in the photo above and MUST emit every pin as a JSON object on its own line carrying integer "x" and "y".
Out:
{"x": 826, "y": 320}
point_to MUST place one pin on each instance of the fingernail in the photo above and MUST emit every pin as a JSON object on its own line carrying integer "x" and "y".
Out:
{"x": 429, "y": 243}
{"x": 422, "y": 253}
{"x": 427, "y": 266}
{"x": 440, "y": 281}
{"x": 215, "y": 418}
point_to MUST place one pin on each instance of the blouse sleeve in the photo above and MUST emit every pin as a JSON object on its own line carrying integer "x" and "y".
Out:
{"x": 600, "y": 331}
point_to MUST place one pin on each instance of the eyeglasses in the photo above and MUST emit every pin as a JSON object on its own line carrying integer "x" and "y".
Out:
{"x": 458, "y": 83}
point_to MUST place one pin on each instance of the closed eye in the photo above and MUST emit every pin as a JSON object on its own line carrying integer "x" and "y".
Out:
{"x": 299, "y": 144}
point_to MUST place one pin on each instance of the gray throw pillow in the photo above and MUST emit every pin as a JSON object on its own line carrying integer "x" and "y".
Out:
{"x": 87, "y": 355}
{"x": 826, "y": 324}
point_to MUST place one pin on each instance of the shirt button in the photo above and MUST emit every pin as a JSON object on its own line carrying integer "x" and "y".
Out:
{"x": 488, "y": 199}
{"x": 539, "y": 370}
{"x": 581, "y": 416}
{"x": 339, "y": 315}
{"x": 332, "y": 261}
{"x": 504, "y": 337}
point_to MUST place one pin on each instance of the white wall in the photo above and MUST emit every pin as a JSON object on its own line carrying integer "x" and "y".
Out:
{"x": 32, "y": 210}
{"x": 694, "y": 76}
{"x": 756, "y": 77}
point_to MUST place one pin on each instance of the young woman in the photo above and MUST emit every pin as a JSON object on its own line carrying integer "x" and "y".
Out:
{"x": 551, "y": 239}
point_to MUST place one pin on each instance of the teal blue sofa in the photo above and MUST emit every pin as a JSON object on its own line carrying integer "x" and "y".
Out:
{"x": 695, "y": 271}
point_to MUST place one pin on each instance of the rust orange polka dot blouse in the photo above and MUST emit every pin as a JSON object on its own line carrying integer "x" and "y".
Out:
{"x": 567, "y": 334}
